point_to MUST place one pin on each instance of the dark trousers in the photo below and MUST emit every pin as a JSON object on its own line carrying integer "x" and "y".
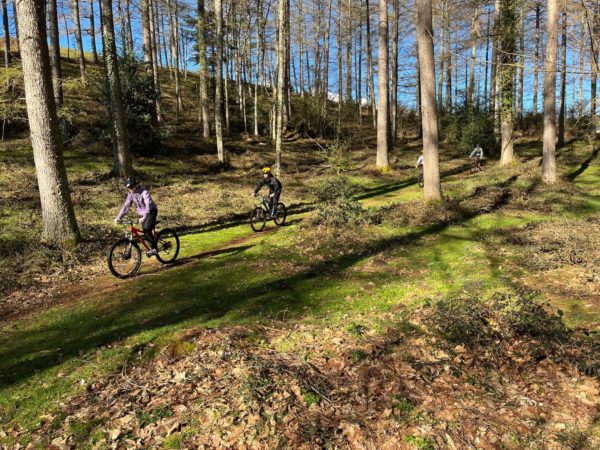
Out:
{"x": 273, "y": 201}
{"x": 148, "y": 226}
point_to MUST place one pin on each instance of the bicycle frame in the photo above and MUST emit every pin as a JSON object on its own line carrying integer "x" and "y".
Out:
{"x": 139, "y": 236}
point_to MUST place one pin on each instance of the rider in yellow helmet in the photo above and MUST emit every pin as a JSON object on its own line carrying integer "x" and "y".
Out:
{"x": 275, "y": 187}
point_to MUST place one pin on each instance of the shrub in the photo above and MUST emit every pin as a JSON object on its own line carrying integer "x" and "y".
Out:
{"x": 138, "y": 95}
{"x": 336, "y": 156}
{"x": 336, "y": 203}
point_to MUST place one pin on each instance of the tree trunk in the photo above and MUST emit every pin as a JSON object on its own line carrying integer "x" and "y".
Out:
{"x": 219, "y": 81}
{"x": 281, "y": 63}
{"x": 507, "y": 75}
{"x": 78, "y": 39}
{"x": 93, "y": 33}
{"x": 449, "y": 101}
{"x": 55, "y": 52}
{"x": 202, "y": 28}
{"x": 173, "y": 39}
{"x": 128, "y": 27}
{"x": 370, "y": 70}
{"x": 486, "y": 104}
{"x": 155, "y": 56}
{"x": 7, "y": 56}
{"x": 58, "y": 216}
{"x": 324, "y": 90}
{"x": 494, "y": 81}
{"x": 521, "y": 66}
{"x": 349, "y": 50}
{"x": 383, "y": 115}
{"x": 474, "y": 38}
{"x": 123, "y": 166}
{"x": 563, "y": 79}
{"x": 16, "y": 19}
{"x": 431, "y": 165}
{"x": 394, "y": 96}
{"x": 442, "y": 57}
{"x": 536, "y": 59}
{"x": 148, "y": 56}
{"x": 549, "y": 160}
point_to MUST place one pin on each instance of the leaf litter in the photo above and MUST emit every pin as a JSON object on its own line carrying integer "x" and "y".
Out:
{"x": 307, "y": 386}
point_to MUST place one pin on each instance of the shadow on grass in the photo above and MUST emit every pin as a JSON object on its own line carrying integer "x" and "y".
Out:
{"x": 584, "y": 166}
{"x": 207, "y": 290}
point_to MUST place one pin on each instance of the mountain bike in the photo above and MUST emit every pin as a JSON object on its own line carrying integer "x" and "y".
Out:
{"x": 477, "y": 165}
{"x": 421, "y": 180}
{"x": 125, "y": 255}
{"x": 262, "y": 213}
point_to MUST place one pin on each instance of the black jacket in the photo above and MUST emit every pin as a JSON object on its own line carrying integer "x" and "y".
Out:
{"x": 272, "y": 182}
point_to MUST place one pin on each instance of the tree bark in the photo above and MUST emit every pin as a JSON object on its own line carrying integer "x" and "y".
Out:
{"x": 78, "y": 39}
{"x": 521, "y": 65}
{"x": 507, "y": 75}
{"x": 55, "y": 52}
{"x": 7, "y": 56}
{"x": 536, "y": 59}
{"x": 431, "y": 165}
{"x": 563, "y": 79}
{"x": 549, "y": 159}
{"x": 474, "y": 38}
{"x": 383, "y": 115}
{"x": 349, "y": 50}
{"x": 58, "y": 216}
{"x": 219, "y": 81}
{"x": 148, "y": 55}
{"x": 370, "y": 71}
{"x": 202, "y": 28}
{"x": 394, "y": 93}
{"x": 174, "y": 39}
{"x": 279, "y": 103}
{"x": 93, "y": 33}
{"x": 155, "y": 56}
{"x": 122, "y": 163}
{"x": 494, "y": 81}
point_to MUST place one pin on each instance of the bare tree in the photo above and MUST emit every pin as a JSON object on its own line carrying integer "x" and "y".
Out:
{"x": 58, "y": 216}
{"x": 431, "y": 165}
{"x": 563, "y": 78}
{"x": 549, "y": 159}
{"x": 219, "y": 81}
{"x": 122, "y": 160}
{"x": 383, "y": 115}
{"x": 93, "y": 33}
{"x": 79, "y": 41}
{"x": 202, "y": 28}
{"x": 7, "y": 56}
{"x": 281, "y": 64}
{"x": 507, "y": 31}
{"x": 536, "y": 58}
{"x": 55, "y": 52}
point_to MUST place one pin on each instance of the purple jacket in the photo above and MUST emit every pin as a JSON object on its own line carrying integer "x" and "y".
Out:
{"x": 142, "y": 200}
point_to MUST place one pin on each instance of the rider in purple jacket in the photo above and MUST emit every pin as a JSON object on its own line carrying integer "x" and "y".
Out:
{"x": 146, "y": 208}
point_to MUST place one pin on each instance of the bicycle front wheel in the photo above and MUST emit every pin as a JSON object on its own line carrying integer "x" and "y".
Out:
{"x": 124, "y": 258}
{"x": 281, "y": 215}
{"x": 167, "y": 246}
{"x": 258, "y": 219}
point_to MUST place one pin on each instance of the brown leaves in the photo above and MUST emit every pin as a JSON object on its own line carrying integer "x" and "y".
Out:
{"x": 231, "y": 391}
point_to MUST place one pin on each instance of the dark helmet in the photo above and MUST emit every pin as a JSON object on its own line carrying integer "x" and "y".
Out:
{"x": 132, "y": 182}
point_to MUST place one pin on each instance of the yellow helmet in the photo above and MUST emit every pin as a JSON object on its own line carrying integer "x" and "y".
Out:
{"x": 266, "y": 170}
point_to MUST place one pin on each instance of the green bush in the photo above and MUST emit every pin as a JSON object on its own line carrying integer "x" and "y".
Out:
{"x": 336, "y": 204}
{"x": 138, "y": 95}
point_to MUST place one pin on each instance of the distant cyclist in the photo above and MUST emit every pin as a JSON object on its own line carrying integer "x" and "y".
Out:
{"x": 275, "y": 187}
{"x": 477, "y": 156}
{"x": 419, "y": 165}
{"x": 145, "y": 207}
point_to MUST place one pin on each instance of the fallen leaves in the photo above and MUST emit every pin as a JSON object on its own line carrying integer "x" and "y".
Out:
{"x": 232, "y": 391}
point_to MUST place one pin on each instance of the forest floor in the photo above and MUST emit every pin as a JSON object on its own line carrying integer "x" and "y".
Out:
{"x": 468, "y": 324}
{"x": 306, "y": 336}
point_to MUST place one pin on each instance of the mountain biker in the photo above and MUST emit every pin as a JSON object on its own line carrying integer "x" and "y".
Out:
{"x": 420, "y": 162}
{"x": 477, "y": 156}
{"x": 145, "y": 207}
{"x": 275, "y": 187}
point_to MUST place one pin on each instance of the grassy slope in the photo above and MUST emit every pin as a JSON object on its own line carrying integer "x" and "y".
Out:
{"x": 294, "y": 274}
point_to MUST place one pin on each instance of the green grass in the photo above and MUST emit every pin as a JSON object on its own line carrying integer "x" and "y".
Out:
{"x": 287, "y": 275}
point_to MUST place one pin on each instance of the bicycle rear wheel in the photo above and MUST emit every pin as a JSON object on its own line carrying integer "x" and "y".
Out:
{"x": 167, "y": 246}
{"x": 258, "y": 219}
{"x": 281, "y": 215}
{"x": 124, "y": 258}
